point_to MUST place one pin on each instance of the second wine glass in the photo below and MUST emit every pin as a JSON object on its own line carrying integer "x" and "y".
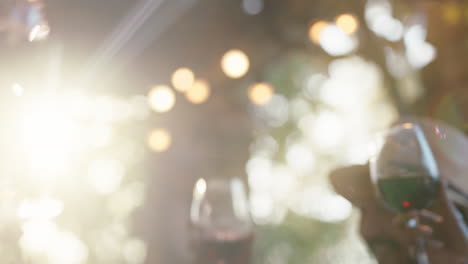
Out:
{"x": 221, "y": 229}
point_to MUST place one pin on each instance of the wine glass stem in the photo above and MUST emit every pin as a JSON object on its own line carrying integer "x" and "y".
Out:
{"x": 421, "y": 253}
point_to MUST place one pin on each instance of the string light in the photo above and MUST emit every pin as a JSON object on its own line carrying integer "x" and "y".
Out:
{"x": 348, "y": 23}
{"x": 235, "y": 63}
{"x": 261, "y": 93}
{"x": 161, "y": 98}
{"x": 199, "y": 92}
{"x": 159, "y": 140}
{"x": 183, "y": 79}
{"x": 315, "y": 30}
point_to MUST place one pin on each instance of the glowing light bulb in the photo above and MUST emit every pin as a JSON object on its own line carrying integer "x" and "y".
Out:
{"x": 348, "y": 23}
{"x": 199, "y": 92}
{"x": 261, "y": 93}
{"x": 315, "y": 30}
{"x": 235, "y": 63}
{"x": 183, "y": 79}
{"x": 161, "y": 98}
{"x": 159, "y": 140}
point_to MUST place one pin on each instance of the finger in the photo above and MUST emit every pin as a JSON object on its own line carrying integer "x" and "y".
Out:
{"x": 424, "y": 230}
{"x": 435, "y": 244}
{"x": 354, "y": 184}
{"x": 431, "y": 216}
{"x": 452, "y": 229}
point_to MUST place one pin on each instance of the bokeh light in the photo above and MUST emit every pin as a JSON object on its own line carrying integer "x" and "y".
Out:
{"x": 316, "y": 30}
{"x": 40, "y": 209}
{"x": 67, "y": 248}
{"x": 418, "y": 51}
{"x": 261, "y": 93}
{"x": 300, "y": 158}
{"x": 17, "y": 89}
{"x": 321, "y": 203}
{"x": 106, "y": 175}
{"x": 127, "y": 198}
{"x": 135, "y": 251}
{"x": 452, "y": 13}
{"x": 161, "y": 98}
{"x": 183, "y": 79}
{"x": 58, "y": 247}
{"x": 49, "y": 137}
{"x": 39, "y": 32}
{"x": 34, "y": 232}
{"x": 57, "y": 138}
{"x": 348, "y": 23}
{"x": 235, "y": 63}
{"x": 199, "y": 92}
{"x": 379, "y": 18}
{"x": 275, "y": 112}
{"x": 329, "y": 130}
{"x": 159, "y": 140}
{"x": 336, "y": 42}
{"x": 252, "y": 7}
{"x": 200, "y": 188}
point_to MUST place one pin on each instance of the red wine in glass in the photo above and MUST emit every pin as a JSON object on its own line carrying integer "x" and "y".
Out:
{"x": 220, "y": 225}
{"x": 223, "y": 247}
{"x": 408, "y": 193}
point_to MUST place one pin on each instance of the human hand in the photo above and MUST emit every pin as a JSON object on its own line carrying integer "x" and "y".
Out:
{"x": 388, "y": 234}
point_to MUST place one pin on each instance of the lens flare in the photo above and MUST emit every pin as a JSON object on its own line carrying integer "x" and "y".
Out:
{"x": 50, "y": 139}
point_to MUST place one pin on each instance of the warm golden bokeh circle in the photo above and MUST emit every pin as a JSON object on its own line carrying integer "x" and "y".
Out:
{"x": 235, "y": 63}
{"x": 159, "y": 140}
{"x": 261, "y": 93}
{"x": 315, "y": 30}
{"x": 161, "y": 98}
{"x": 183, "y": 79}
{"x": 348, "y": 23}
{"x": 199, "y": 92}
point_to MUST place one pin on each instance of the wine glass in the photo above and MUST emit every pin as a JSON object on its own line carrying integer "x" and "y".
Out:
{"x": 221, "y": 229}
{"x": 406, "y": 176}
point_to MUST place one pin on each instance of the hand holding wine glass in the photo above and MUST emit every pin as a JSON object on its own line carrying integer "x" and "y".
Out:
{"x": 407, "y": 179}
{"x": 221, "y": 229}
{"x": 389, "y": 240}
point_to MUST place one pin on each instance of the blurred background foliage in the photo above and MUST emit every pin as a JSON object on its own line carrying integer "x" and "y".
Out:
{"x": 113, "y": 109}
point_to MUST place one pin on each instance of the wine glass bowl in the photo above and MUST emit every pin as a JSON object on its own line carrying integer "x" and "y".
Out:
{"x": 404, "y": 170}
{"x": 221, "y": 230}
{"x": 406, "y": 177}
